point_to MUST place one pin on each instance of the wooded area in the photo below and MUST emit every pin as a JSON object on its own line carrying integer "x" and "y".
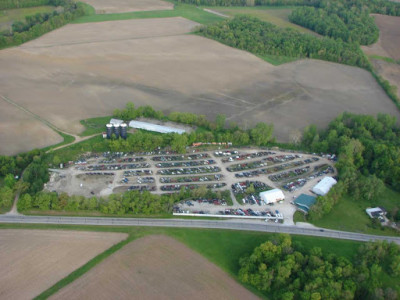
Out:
{"x": 369, "y": 156}
{"x": 285, "y": 270}
{"x": 39, "y": 24}
{"x": 262, "y": 38}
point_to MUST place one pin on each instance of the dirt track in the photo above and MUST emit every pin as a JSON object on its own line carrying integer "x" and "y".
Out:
{"x": 121, "y": 6}
{"x": 76, "y": 72}
{"x": 155, "y": 267}
{"x": 33, "y": 260}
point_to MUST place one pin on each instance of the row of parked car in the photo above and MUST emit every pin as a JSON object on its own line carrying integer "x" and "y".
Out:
{"x": 198, "y": 170}
{"x": 180, "y": 157}
{"x": 247, "y": 156}
{"x": 186, "y": 163}
{"x": 215, "y": 177}
{"x": 177, "y": 187}
{"x": 114, "y": 167}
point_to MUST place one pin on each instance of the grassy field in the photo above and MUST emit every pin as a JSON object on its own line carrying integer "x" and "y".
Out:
{"x": 180, "y": 10}
{"x": 7, "y": 17}
{"x": 222, "y": 247}
{"x": 277, "y": 15}
{"x": 278, "y": 60}
{"x": 387, "y": 59}
{"x": 350, "y": 215}
{"x": 94, "y": 125}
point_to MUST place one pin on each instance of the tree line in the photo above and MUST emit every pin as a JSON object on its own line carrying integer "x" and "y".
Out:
{"x": 130, "y": 202}
{"x": 262, "y": 38}
{"x": 285, "y": 270}
{"x": 368, "y": 150}
{"x": 35, "y": 26}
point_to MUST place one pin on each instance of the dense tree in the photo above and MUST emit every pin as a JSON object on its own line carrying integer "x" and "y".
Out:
{"x": 262, "y": 38}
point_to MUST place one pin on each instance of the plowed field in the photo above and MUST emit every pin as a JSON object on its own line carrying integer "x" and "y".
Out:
{"x": 87, "y": 70}
{"x": 31, "y": 261}
{"x": 155, "y": 267}
{"x": 121, "y": 6}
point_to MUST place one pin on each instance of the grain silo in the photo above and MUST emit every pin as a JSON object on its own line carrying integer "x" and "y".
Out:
{"x": 124, "y": 130}
{"x": 109, "y": 130}
{"x": 117, "y": 130}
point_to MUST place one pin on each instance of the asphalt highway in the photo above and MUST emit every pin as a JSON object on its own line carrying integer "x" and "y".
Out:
{"x": 195, "y": 223}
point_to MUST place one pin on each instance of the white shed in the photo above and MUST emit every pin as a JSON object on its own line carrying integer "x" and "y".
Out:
{"x": 272, "y": 196}
{"x": 116, "y": 121}
{"x": 323, "y": 187}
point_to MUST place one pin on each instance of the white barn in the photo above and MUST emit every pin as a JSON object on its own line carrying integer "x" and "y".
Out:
{"x": 323, "y": 187}
{"x": 272, "y": 196}
{"x": 116, "y": 121}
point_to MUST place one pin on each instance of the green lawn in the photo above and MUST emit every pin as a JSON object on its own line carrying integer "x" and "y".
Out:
{"x": 387, "y": 59}
{"x": 277, "y": 60}
{"x": 187, "y": 11}
{"x": 222, "y": 247}
{"x": 7, "y": 17}
{"x": 277, "y": 15}
{"x": 67, "y": 140}
{"x": 94, "y": 125}
{"x": 350, "y": 215}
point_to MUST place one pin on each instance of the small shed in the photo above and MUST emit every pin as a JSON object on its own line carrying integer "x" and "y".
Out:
{"x": 272, "y": 196}
{"x": 376, "y": 212}
{"x": 304, "y": 202}
{"x": 323, "y": 187}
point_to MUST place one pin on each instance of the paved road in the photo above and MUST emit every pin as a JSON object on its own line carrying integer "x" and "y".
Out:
{"x": 214, "y": 224}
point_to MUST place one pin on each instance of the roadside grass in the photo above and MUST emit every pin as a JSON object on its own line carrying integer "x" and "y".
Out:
{"x": 222, "y": 247}
{"x": 350, "y": 215}
{"x": 187, "y": 11}
{"x": 299, "y": 217}
{"x": 67, "y": 140}
{"x": 94, "y": 125}
{"x": 8, "y": 16}
{"x": 277, "y": 15}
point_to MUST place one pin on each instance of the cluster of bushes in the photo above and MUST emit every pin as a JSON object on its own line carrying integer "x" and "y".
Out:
{"x": 9, "y": 4}
{"x": 282, "y": 270}
{"x": 262, "y": 38}
{"x": 131, "y": 202}
{"x": 37, "y": 25}
{"x": 368, "y": 156}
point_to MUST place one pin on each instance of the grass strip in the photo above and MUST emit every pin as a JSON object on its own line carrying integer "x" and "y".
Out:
{"x": 187, "y": 11}
{"x": 82, "y": 270}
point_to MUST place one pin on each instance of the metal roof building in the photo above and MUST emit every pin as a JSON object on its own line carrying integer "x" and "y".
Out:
{"x": 272, "y": 196}
{"x": 323, "y": 187}
{"x": 304, "y": 202}
{"x": 116, "y": 121}
{"x": 155, "y": 127}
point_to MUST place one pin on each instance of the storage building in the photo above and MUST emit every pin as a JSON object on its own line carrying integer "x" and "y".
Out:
{"x": 323, "y": 187}
{"x": 272, "y": 196}
{"x": 155, "y": 127}
{"x": 304, "y": 202}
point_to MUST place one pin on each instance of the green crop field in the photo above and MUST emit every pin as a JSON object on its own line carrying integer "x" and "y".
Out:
{"x": 7, "y": 17}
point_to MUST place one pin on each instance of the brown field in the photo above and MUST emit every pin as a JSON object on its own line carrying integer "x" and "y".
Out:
{"x": 88, "y": 70}
{"x": 121, "y": 6}
{"x": 21, "y": 132}
{"x": 389, "y": 40}
{"x": 155, "y": 267}
{"x": 389, "y": 71}
{"x": 31, "y": 261}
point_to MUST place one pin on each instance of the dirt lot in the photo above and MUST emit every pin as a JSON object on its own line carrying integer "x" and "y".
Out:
{"x": 121, "y": 6}
{"x": 33, "y": 260}
{"x": 76, "y": 72}
{"x": 389, "y": 40}
{"x": 155, "y": 267}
